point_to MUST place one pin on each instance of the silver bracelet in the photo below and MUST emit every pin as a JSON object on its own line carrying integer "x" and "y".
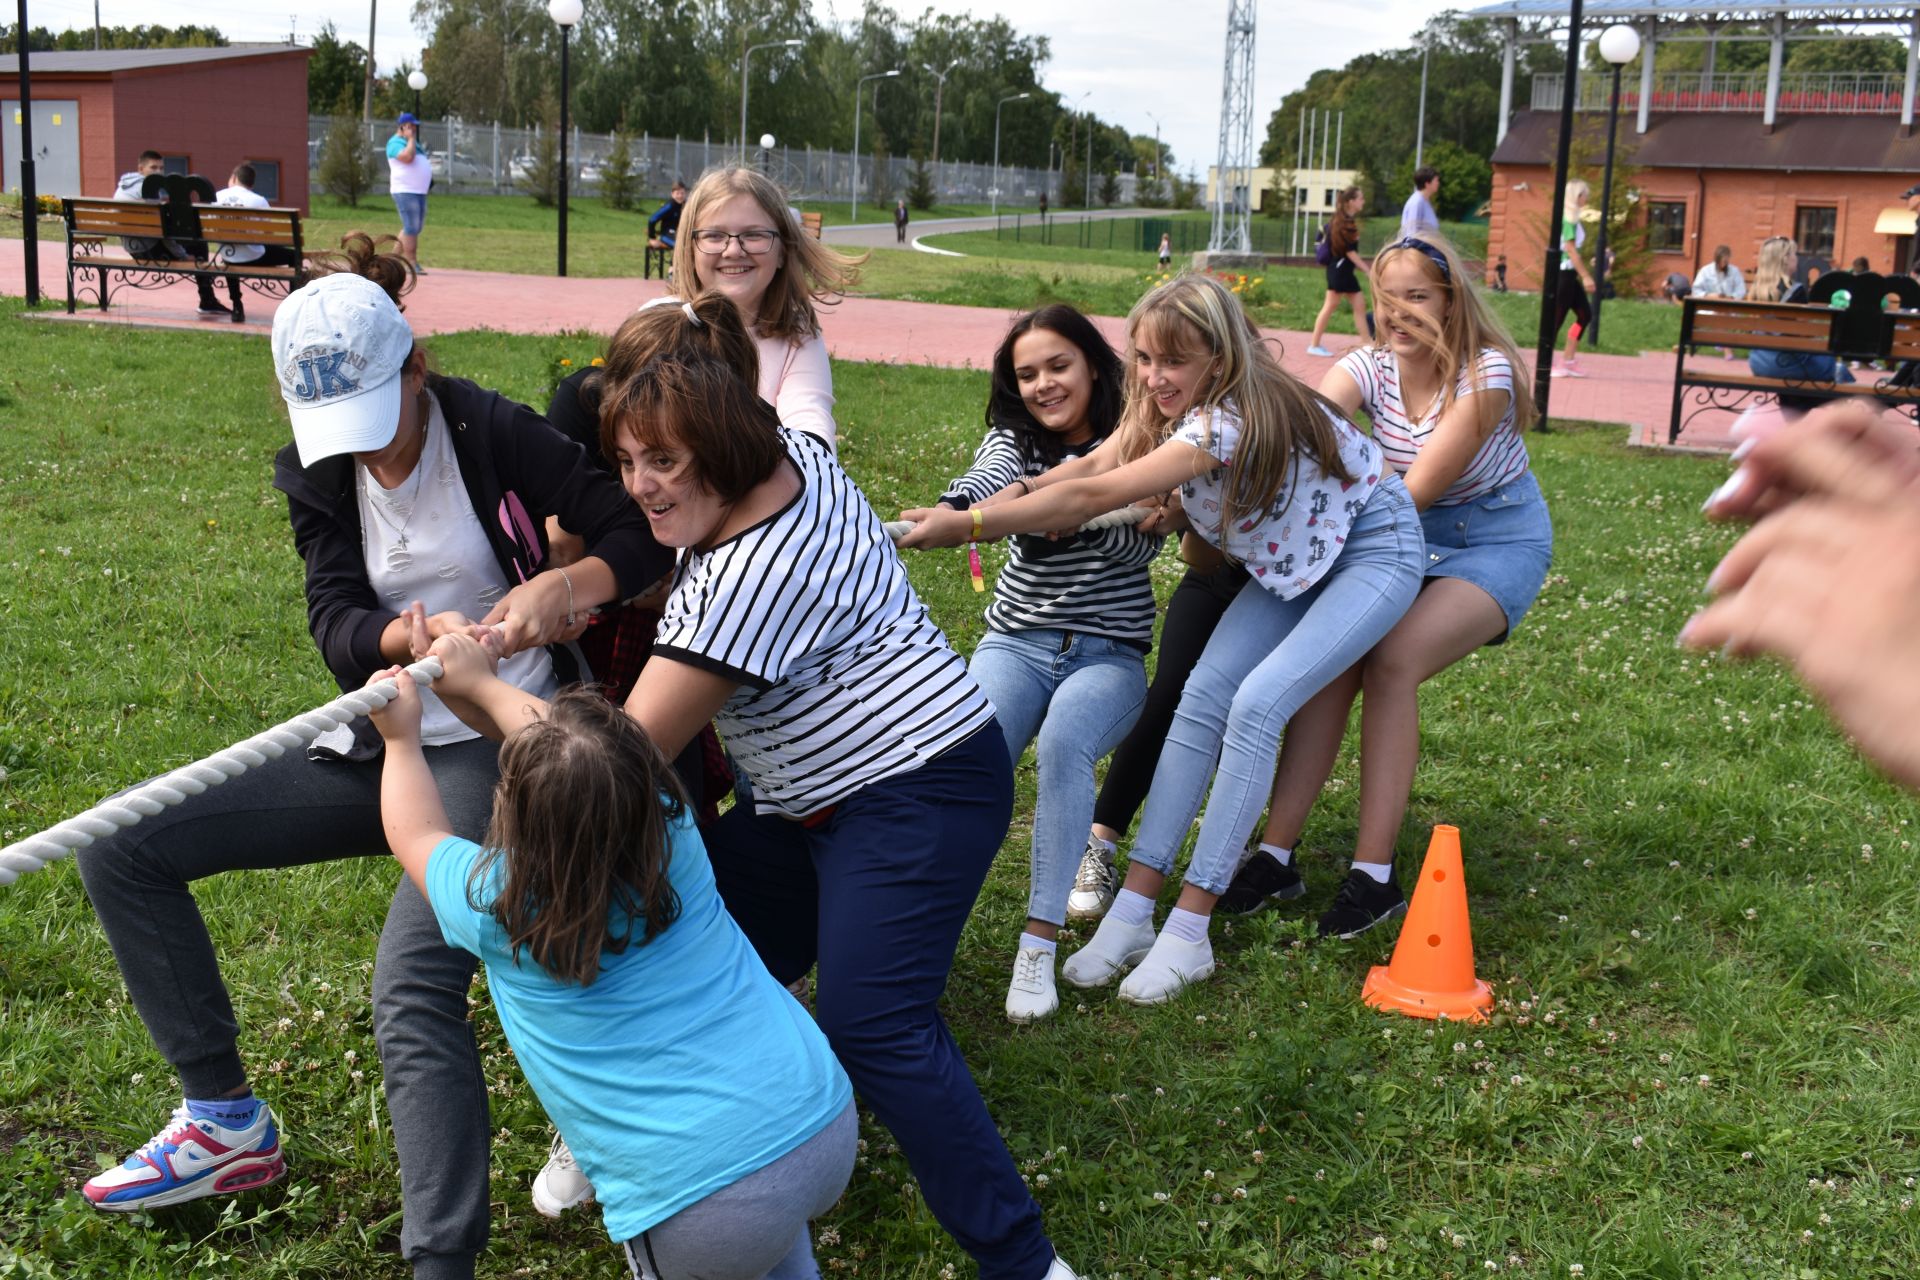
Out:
{"x": 569, "y": 581}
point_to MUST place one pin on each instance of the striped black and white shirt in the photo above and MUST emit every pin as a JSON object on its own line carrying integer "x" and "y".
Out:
{"x": 844, "y": 679}
{"x": 1094, "y": 583}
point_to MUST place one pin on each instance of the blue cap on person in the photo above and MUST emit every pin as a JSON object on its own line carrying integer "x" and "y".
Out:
{"x": 339, "y": 345}
{"x": 407, "y": 117}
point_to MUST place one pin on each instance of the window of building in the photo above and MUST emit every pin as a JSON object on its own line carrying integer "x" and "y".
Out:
{"x": 1813, "y": 229}
{"x": 1328, "y": 202}
{"x": 1666, "y": 226}
{"x": 182, "y": 165}
{"x": 266, "y": 179}
{"x": 1299, "y": 195}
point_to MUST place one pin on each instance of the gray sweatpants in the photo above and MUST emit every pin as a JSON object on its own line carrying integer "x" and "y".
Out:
{"x": 290, "y": 812}
{"x": 756, "y": 1228}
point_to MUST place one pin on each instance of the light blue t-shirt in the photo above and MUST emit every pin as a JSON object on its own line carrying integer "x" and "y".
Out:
{"x": 679, "y": 1070}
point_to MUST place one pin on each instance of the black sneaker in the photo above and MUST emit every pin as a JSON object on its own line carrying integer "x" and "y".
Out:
{"x": 1259, "y": 884}
{"x": 212, "y": 306}
{"x": 1362, "y": 903}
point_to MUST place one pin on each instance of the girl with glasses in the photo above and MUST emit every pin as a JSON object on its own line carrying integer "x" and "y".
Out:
{"x": 739, "y": 238}
{"x": 1447, "y": 407}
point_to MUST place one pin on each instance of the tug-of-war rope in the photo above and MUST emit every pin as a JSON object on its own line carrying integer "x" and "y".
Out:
{"x": 898, "y": 529}
{"x": 149, "y": 798}
{"x": 109, "y": 816}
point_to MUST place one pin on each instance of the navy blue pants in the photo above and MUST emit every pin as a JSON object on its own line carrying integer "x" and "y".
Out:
{"x": 877, "y": 896}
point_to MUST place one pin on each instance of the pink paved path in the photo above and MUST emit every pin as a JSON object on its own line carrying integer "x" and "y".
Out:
{"x": 1627, "y": 390}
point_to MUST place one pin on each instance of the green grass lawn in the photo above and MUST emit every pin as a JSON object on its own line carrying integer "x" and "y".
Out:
{"x": 1695, "y": 905}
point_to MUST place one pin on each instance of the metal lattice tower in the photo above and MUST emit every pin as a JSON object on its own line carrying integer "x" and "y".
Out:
{"x": 1233, "y": 180}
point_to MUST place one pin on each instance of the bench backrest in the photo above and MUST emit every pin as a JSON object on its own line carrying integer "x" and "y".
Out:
{"x": 1773, "y": 326}
{"x": 139, "y": 219}
{"x": 233, "y": 224}
{"x": 811, "y": 223}
{"x": 1905, "y": 335}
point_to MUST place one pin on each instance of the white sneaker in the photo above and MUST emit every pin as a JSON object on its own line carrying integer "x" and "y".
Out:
{"x": 1169, "y": 969}
{"x": 1115, "y": 949}
{"x": 1031, "y": 995}
{"x": 560, "y": 1185}
{"x": 1094, "y": 887}
{"x": 1060, "y": 1270}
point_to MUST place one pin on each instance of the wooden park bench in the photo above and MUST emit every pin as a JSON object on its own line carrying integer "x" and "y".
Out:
{"x": 660, "y": 255}
{"x": 98, "y": 232}
{"x": 1862, "y": 331}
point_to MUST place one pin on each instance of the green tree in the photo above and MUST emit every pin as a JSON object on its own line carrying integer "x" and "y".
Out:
{"x": 1466, "y": 180}
{"x": 541, "y": 177}
{"x": 337, "y": 69}
{"x": 619, "y": 185}
{"x": 1110, "y": 188}
{"x": 920, "y": 193}
{"x": 1186, "y": 191}
{"x": 346, "y": 161}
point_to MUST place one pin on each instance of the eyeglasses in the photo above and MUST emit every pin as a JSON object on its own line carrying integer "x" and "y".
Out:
{"x": 1434, "y": 255}
{"x": 758, "y": 241}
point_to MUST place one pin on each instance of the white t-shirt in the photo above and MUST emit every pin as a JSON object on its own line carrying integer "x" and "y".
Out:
{"x": 404, "y": 177}
{"x": 447, "y": 563}
{"x": 1715, "y": 283}
{"x": 1502, "y": 457}
{"x": 1291, "y": 545}
{"x": 797, "y": 381}
{"x": 1417, "y": 217}
{"x": 843, "y": 679}
{"x": 244, "y": 198}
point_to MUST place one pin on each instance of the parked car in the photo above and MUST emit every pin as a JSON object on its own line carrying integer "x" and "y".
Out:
{"x": 460, "y": 168}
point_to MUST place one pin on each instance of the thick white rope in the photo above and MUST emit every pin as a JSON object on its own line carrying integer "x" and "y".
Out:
{"x": 898, "y": 529}
{"x": 144, "y": 801}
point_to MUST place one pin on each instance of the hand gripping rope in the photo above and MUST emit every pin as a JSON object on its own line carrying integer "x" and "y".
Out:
{"x": 173, "y": 788}
{"x": 898, "y": 529}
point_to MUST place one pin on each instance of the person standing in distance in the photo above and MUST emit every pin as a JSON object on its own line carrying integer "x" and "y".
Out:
{"x": 900, "y": 220}
{"x": 1417, "y": 218}
{"x": 409, "y": 177}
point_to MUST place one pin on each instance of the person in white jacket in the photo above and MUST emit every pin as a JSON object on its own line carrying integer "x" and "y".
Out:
{"x": 1720, "y": 279}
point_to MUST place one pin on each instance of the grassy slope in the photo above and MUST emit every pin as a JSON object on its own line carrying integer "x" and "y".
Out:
{"x": 1667, "y": 856}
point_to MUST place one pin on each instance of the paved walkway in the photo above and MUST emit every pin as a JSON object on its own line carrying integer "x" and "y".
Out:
{"x": 1630, "y": 391}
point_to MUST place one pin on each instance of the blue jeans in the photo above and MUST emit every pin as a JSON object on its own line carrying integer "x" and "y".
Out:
{"x": 1079, "y": 694}
{"x": 413, "y": 211}
{"x": 1266, "y": 658}
{"x": 877, "y": 894}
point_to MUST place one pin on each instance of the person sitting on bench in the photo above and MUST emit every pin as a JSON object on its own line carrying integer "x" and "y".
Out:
{"x": 664, "y": 226}
{"x": 132, "y": 186}
{"x": 239, "y": 192}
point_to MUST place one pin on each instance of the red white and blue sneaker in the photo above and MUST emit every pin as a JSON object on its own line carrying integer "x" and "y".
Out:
{"x": 189, "y": 1159}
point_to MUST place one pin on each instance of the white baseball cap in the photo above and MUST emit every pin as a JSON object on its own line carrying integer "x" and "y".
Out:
{"x": 339, "y": 345}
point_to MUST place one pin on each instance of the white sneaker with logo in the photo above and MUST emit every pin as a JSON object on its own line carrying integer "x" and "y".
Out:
{"x": 560, "y": 1185}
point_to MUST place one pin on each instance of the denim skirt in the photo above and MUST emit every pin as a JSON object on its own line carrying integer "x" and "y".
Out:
{"x": 1501, "y": 542}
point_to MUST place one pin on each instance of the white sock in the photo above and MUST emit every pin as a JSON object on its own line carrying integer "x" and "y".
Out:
{"x": 1188, "y": 926}
{"x": 1130, "y": 908}
{"x": 1104, "y": 846}
{"x": 1380, "y": 871}
{"x": 1034, "y": 942}
{"x": 1282, "y": 856}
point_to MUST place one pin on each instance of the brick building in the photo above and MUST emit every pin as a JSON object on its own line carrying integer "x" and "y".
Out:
{"x": 1719, "y": 157}
{"x": 205, "y": 110}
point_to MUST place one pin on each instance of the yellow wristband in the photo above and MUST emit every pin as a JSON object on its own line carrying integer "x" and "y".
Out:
{"x": 976, "y": 523}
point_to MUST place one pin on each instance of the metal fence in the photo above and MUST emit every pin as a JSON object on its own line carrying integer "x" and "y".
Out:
{"x": 1801, "y": 92}
{"x": 489, "y": 159}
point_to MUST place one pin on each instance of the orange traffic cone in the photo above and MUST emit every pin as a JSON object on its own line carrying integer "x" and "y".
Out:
{"x": 1432, "y": 969}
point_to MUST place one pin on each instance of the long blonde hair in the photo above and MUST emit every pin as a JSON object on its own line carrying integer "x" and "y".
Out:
{"x": 1771, "y": 280}
{"x": 1467, "y": 328}
{"x": 1282, "y": 419}
{"x": 810, "y": 274}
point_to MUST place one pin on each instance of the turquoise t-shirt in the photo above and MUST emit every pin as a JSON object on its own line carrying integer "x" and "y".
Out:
{"x": 679, "y": 1070}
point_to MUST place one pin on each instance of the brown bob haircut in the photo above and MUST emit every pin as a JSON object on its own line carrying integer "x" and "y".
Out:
{"x": 685, "y": 376}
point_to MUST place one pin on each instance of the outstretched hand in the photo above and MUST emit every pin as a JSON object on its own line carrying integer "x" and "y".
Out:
{"x": 936, "y": 527}
{"x": 1829, "y": 578}
{"x": 468, "y": 661}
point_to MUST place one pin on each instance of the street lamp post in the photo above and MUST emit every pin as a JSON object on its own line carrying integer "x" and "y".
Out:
{"x": 1420, "y": 128}
{"x": 1090, "y": 121}
{"x": 29, "y": 192}
{"x": 853, "y": 192}
{"x": 939, "y": 93}
{"x": 766, "y": 154}
{"x": 1018, "y": 97}
{"x": 1619, "y": 45}
{"x": 1156, "y": 154}
{"x": 567, "y": 13}
{"x": 416, "y": 81}
{"x": 745, "y": 54}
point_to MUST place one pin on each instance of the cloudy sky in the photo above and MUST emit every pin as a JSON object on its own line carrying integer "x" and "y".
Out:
{"x": 1133, "y": 56}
